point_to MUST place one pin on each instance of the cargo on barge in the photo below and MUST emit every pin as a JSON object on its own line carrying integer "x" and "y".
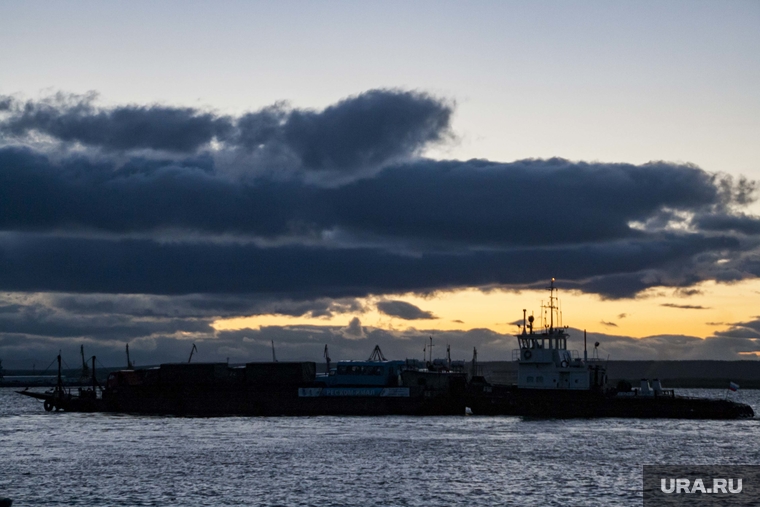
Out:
{"x": 372, "y": 387}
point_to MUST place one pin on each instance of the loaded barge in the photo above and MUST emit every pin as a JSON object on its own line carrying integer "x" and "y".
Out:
{"x": 552, "y": 382}
{"x": 376, "y": 386}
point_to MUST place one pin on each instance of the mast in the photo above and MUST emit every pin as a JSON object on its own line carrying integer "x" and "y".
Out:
{"x": 85, "y": 369}
{"x": 59, "y": 385}
{"x": 552, "y": 307}
{"x": 129, "y": 363}
{"x": 274, "y": 357}
{"x": 194, "y": 349}
{"x": 327, "y": 359}
{"x": 585, "y": 352}
{"x": 94, "y": 380}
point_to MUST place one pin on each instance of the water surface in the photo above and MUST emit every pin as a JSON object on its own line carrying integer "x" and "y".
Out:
{"x": 99, "y": 459}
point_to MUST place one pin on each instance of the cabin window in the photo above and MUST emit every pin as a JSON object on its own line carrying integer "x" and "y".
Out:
{"x": 530, "y": 380}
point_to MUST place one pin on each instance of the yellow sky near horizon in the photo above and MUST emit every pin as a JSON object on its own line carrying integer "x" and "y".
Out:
{"x": 660, "y": 310}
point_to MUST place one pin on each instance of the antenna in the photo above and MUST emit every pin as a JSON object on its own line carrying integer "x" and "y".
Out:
{"x": 431, "y": 349}
{"x": 525, "y": 325}
{"x": 274, "y": 357}
{"x": 474, "y": 362}
{"x": 327, "y": 359}
{"x": 194, "y": 349}
{"x": 448, "y": 356}
{"x": 552, "y": 307}
{"x": 129, "y": 363}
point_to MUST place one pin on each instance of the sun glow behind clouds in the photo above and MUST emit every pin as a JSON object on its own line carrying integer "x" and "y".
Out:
{"x": 700, "y": 311}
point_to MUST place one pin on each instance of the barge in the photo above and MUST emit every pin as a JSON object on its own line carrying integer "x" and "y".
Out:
{"x": 376, "y": 386}
{"x": 552, "y": 382}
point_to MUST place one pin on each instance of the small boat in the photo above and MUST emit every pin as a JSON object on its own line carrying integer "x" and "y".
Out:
{"x": 63, "y": 398}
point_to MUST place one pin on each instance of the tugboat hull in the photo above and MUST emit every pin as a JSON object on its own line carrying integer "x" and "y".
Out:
{"x": 510, "y": 400}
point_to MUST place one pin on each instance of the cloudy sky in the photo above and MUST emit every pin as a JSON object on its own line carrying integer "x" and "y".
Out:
{"x": 351, "y": 174}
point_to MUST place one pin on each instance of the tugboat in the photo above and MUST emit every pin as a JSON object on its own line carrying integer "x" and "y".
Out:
{"x": 553, "y": 381}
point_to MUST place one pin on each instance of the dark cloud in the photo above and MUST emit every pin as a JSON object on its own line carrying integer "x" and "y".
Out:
{"x": 354, "y": 330}
{"x": 417, "y": 205}
{"x": 75, "y": 119}
{"x": 32, "y": 262}
{"x": 685, "y": 307}
{"x": 373, "y": 128}
{"x": 666, "y": 347}
{"x": 145, "y": 223}
{"x": 684, "y": 292}
{"x": 354, "y": 342}
{"x": 608, "y": 324}
{"x": 403, "y": 310}
{"x": 749, "y": 330}
{"x": 364, "y": 131}
{"x": 622, "y": 316}
{"x": 742, "y": 223}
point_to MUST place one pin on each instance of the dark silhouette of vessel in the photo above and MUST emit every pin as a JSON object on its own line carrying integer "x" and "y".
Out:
{"x": 553, "y": 381}
{"x": 372, "y": 387}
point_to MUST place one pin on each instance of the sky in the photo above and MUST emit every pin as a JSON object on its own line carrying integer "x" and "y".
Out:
{"x": 242, "y": 174}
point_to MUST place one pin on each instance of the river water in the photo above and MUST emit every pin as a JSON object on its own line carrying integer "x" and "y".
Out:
{"x": 98, "y": 459}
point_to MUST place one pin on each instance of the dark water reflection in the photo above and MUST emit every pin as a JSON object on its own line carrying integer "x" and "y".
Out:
{"x": 96, "y": 459}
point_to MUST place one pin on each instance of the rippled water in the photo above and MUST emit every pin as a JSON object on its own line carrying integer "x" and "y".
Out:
{"x": 98, "y": 459}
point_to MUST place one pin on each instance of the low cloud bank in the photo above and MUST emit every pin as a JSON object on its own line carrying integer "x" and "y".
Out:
{"x": 129, "y": 213}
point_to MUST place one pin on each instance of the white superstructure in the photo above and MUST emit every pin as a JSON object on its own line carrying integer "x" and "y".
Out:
{"x": 544, "y": 361}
